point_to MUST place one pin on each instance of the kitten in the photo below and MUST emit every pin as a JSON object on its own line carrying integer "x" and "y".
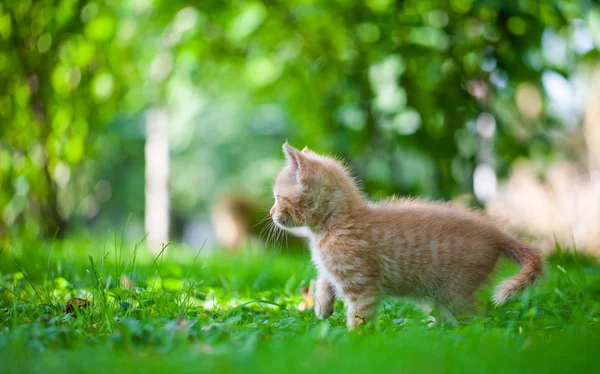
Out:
{"x": 409, "y": 248}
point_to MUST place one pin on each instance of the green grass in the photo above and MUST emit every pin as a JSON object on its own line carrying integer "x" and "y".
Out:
{"x": 193, "y": 312}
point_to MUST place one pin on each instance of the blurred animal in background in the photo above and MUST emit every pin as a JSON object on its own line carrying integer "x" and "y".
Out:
{"x": 236, "y": 219}
{"x": 231, "y": 218}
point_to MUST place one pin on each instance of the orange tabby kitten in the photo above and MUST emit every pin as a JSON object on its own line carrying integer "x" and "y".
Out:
{"x": 363, "y": 250}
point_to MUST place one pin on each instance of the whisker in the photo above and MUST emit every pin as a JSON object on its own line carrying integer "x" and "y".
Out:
{"x": 276, "y": 237}
{"x": 281, "y": 236}
{"x": 265, "y": 231}
{"x": 272, "y": 231}
{"x": 261, "y": 221}
{"x": 268, "y": 233}
{"x": 270, "y": 237}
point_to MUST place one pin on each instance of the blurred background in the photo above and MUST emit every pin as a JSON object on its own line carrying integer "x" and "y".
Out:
{"x": 167, "y": 117}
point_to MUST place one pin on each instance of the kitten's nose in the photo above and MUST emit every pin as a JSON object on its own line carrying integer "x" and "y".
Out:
{"x": 271, "y": 212}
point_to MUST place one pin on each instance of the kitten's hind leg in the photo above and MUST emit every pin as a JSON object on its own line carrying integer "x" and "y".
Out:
{"x": 324, "y": 297}
{"x": 444, "y": 315}
{"x": 437, "y": 313}
{"x": 454, "y": 313}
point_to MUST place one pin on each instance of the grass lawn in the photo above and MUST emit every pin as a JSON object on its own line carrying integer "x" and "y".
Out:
{"x": 184, "y": 312}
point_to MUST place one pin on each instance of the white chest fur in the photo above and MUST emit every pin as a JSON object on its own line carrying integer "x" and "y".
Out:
{"x": 322, "y": 267}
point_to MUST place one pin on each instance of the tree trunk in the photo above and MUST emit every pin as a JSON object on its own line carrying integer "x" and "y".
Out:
{"x": 156, "y": 214}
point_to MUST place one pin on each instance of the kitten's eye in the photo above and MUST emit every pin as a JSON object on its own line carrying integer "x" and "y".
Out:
{"x": 276, "y": 197}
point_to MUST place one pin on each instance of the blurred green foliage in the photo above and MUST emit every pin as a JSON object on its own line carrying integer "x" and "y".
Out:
{"x": 396, "y": 88}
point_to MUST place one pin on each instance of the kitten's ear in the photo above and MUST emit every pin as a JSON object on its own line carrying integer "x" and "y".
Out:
{"x": 295, "y": 158}
{"x": 307, "y": 151}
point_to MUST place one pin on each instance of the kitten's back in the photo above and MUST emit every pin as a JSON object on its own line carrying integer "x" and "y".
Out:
{"x": 442, "y": 249}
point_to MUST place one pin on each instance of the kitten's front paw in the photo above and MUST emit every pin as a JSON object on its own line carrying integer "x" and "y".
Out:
{"x": 323, "y": 310}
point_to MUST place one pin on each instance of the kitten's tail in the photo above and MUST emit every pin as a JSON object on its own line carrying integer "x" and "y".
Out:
{"x": 532, "y": 265}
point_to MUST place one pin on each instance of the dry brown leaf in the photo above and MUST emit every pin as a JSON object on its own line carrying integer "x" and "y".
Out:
{"x": 76, "y": 303}
{"x": 309, "y": 300}
{"x": 127, "y": 283}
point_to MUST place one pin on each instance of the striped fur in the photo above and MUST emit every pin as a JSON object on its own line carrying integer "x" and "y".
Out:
{"x": 409, "y": 248}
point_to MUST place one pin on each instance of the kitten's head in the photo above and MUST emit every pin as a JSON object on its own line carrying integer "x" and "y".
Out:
{"x": 311, "y": 189}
